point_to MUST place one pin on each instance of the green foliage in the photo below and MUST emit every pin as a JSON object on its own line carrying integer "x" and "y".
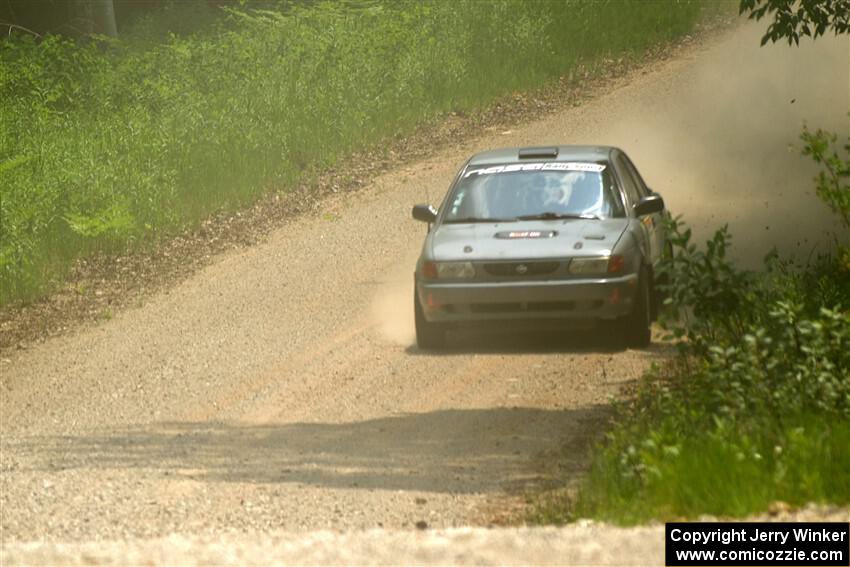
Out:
{"x": 833, "y": 182}
{"x": 706, "y": 297}
{"x": 660, "y": 473}
{"x": 755, "y": 409}
{"x": 117, "y": 142}
{"x": 115, "y": 219}
{"x": 793, "y": 19}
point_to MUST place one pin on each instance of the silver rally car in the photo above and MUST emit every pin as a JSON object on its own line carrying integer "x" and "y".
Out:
{"x": 552, "y": 236}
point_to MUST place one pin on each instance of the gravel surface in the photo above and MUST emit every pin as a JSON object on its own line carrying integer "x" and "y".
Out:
{"x": 277, "y": 391}
{"x": 582, "y": 543}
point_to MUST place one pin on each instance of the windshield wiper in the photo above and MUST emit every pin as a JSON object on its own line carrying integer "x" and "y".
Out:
{"x": 476, "y": 219}
{"x": 548, "y": 215}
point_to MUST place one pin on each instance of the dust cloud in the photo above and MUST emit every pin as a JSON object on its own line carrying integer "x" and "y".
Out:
{"x": 721, "y": 139}
{"x": 392, "y": 305}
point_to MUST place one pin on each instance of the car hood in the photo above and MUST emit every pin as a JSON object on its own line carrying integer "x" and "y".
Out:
{"x": 525, "y": 239}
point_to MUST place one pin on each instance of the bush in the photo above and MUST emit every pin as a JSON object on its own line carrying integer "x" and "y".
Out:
{"x": 733, "y": 425}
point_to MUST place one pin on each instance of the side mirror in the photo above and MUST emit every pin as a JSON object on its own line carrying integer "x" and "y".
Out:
{"x": 649, "y": 205}
{"x": 425, "y": 213}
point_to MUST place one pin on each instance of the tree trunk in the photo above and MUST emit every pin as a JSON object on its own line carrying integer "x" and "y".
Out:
{"x": 83, "y": 21}
{"x": 103, "y": 12}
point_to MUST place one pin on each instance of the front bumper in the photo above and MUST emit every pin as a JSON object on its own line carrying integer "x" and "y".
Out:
{"x": 571, "y": 300}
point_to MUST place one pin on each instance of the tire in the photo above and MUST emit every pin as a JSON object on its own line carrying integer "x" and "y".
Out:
{"x": 429, "y": 336}
{"x": 636, "y": 326}
{"x": 658, "y": 296}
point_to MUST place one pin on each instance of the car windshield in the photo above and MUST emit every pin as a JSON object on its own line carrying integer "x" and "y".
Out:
{"x": 534, "y": 191}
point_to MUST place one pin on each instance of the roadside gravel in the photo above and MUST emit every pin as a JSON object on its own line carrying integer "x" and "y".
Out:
{"x": 582, "y": 543}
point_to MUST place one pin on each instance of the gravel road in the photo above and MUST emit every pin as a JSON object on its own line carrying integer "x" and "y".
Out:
{"x": 275, "y": 397}
{"x": 583, "y": 543}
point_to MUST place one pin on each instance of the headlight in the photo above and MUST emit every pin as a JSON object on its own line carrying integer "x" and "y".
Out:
{"x": 448, "y": 270}
{"x": 597, "y": 266}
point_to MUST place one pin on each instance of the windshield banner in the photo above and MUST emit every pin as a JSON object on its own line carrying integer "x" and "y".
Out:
{"x": 548, "y": 166}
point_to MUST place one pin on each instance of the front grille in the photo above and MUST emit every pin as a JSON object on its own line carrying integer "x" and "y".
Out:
{"x": 522, "y": 307}
{"x": 520, "y": 269}
{"x": 551, "y": 306}
{"x": 495, "y": 307}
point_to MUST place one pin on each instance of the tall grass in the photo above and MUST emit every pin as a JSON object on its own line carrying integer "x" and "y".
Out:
{"x": 114, "y": 142}
{"x": 657, "y": 471}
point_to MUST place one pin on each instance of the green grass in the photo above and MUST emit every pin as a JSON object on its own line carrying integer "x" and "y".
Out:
{"x": 675, "y": 458}
{"x": 798, "y": 461}
{"x": 117, "y": 143}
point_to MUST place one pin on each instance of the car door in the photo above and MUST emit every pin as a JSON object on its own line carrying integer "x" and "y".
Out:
{"x": 633, "y": 196}
{"x": 653, "y": 223}
{"x": 657, "y": 232}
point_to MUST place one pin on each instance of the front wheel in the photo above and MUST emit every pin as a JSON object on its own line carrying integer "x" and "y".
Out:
{"x": 637, "y": 323}
{"x": 661, "y": 282}
{"x": 428, "y": 335}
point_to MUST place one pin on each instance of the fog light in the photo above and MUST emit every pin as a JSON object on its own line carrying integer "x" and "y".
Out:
{"x": 432, "y": 302}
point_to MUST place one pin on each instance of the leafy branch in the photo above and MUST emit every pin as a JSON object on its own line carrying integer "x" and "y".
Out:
{"x": 793, "y": 19}
{"x": 832, "y": 182}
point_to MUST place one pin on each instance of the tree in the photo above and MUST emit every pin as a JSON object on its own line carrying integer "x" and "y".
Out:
{"x": 75, "y": 18}
{"x": 104, "y": 17}
{"x": 793, "y": 19}
{"x": 98, "y": 16}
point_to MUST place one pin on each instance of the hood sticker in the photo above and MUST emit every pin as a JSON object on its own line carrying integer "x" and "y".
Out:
{"x": 517, "y": 234}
